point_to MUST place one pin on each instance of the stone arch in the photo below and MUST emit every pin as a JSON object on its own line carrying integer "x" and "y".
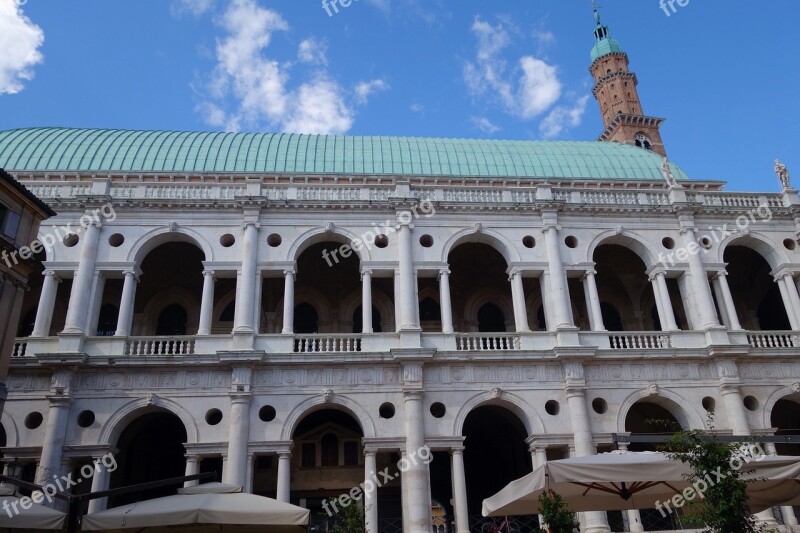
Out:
{"x": 380, "y": 301}
{"x": 507, "y": 400}
{"x": 129, "y": 412}
{"x": 318, "y": 235}
{"x": 224, "y": 301}
{"x": 319, "y": 402}
{"x": 677, "y": 405}
{"x": 311, "y": 296}
{"x": 177, "y": 295}
{"x": 481, "y": 297}
{"x": 155, "y": 238}
{"x": 486, "y": 236}
{"x": 10, "y": 426}
{"x": 627, "y": 239}
{"x": 759, "y": 244}
{"x": 791, "y": 393}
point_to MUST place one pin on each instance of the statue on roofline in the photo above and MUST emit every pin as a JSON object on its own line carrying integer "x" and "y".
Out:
{"x": 783, "y": 175}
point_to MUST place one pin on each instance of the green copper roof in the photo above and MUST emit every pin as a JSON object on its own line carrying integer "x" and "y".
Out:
{"x": 94, "y": 150}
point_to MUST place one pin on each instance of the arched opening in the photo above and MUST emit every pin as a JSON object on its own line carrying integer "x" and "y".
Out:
{"x": 306, "y": 319}
{"x": 358, "y": 320}
{"x": 430, "y": 314}
{"x": 26, "y": 324}
{"x": 478, "y": 269}
{"x": 168, "y": 296}
{"x": 491, "y": 319}
{"x": 649, "y": 417}
{"x": 786, "y": 419}
{"x": 327, "y": 461}
{"x": 626, "y": 292}
{"x": 492, "y": 432}
{"x": 756, "y": 296}
{"x": 172, "y": 321}
{"x": 229, "y": 313}
{"x": 107, "y": 322}
{"x": 151, "y": 448}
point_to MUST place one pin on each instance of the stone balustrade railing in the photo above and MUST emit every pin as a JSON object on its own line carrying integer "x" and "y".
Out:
{"x": 327, "y": 343}
{"x": 487, "y": 342}
{"x": 144, "y": 346}
{"x": 640, "y": 341}
{"x": 773, "y": 339}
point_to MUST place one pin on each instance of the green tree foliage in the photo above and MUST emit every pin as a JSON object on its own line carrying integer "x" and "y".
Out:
{"x": 555, "y": 513}
{"x": 349, "y": 519}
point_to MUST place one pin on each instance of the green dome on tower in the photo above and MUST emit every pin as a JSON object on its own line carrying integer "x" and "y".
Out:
{"x": 605, "y": 45}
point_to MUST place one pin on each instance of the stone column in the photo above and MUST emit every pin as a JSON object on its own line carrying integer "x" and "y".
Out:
{"x": 246, "y": 294}
{"x": 192, "y": 468}
{"x": 288, "y": 302}
{"x": 445, "y": 304}
{"x": 460, "y": 490}
{"x": 416, "y": 477}
{"x": 126, "y": 305}
{"x": 593, "y": 300}
{"x": 544, "y": 284}
{"x": 284, "y": 476}
{"x": 366, "y": 301}
{"x": 518, "y": 298}
{"x": 81, "y": 293}
{"x": 596, "y": 521}
{"x": 238, "y": 438}
{"x": 660, "y": 284}
{"x": 787, "y": 303}
{"x": 721, "y": 284}
{"x": 704, "y": 311}
{"x": 47, "y": 302}
{"x": 95, "y": 303}
{"x": 407, "y": 293}
{"x": 54, "y": 435}
{"x": 100, "y": 481}
{"x": 558, "y": 293}
{"x": 207, "y": 303}
{"x": 370, "y": 496}
{"x": 794, "y": 297}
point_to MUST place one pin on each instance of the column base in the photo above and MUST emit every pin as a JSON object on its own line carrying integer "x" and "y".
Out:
{"x": 568, "y": 336}
{"x": 411, "y": 338}
{"x": 243, "y": 341}
{"x": 69, "y": 342}
{"x": 716, "y": 335}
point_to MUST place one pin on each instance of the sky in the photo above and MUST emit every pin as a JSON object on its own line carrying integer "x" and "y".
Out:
{"x": 724, "y": 74}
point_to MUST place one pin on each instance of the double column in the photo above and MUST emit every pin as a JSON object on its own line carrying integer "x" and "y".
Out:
{"x": 791, "y": 299}
{"x": 81, "y": 293}
{"x": 246, "y": 290}
{"x": 518, "y": 300}
{"x": 666, "y": 315}
{"x": 47, "y": 302}
{"x": 725, "y": 300}
{"x": 126, "y": 306}
{"x": 705, "y": 315}
{"x": 557, "y": 290}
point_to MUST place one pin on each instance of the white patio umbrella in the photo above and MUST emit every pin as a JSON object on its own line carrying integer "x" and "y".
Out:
{"x": 212, "y": 507}
{"x": 636, "y": 480}
{"x": 37, "y": 517}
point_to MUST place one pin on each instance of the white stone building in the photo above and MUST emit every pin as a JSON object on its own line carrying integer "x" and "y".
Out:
{"x": 210, "y": 308}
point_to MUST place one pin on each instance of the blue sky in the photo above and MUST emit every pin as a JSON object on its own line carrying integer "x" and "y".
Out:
{"x": 723, "y": 74}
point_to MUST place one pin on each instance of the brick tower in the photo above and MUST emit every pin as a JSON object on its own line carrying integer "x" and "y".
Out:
{"x": 615, "y": 91}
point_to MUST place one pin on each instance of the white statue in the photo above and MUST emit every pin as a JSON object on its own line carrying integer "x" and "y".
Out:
{"x": 666, "y": 170}
{"x": 783, "y": 175}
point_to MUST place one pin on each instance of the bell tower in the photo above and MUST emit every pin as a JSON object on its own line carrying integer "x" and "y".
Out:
{"x": 616, "y": 93}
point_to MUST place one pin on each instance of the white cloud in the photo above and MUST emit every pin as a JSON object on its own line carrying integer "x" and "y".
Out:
{"x": 485, "y": 125}
{"x": 417, "y": 108}
{"x": 563, "y": 117}
{"x": 20, "y": 40}
{"x": 365, "y": 89}
{"x": 247, "y": 89}
{"x": 192, "y": 7}
{"x": 313, "y": 51}
{"x": 537, "y": 88}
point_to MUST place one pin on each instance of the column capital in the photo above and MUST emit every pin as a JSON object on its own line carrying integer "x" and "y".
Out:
{"x": 210, "y": 273}
{"x": 457, "y": 450}
{"x": 657, "y": 274}
{"x": 241, "y": 397}
{"x": 551, "y": 224}
{"x": 289, "y": 272}
{"x": 412, "y": 394}
{"x": 51, "y": 273}
{"x": 719, "y": 274}
{"x": 59, "y": 401}
{"x": 370, "y": 452}
{"x": 131, "y": 273}
{"x": 575, "y": 391}
{"x": 589, "y": 273}
{"x": 443, "y": 272}
{"x": 284, "y": 454}
{"x": 729, "y": 388}
{"x": 256, "y": 225}
{"x": 404, "y": 219}
{"x": 366, "y": 272}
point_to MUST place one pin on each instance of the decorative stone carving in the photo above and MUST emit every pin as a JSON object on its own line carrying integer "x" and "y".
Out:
{"x": 152, "y": 399}
{"x": 329, "y": 226}
{"x": 173, "y": 226}
{"x": 478, "y": 227}
{"x": 652, "y": 390}
{"x": 496, "y": 393}
{"x": 795, "y": 387}
{"x": 327, "y": 395}
{"x": 783, "y": 175}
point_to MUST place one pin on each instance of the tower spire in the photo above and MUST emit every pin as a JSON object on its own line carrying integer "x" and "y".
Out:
{"x": 616, "y": 93}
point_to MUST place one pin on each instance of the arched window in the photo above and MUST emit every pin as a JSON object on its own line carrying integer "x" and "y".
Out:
{"x": 611, "y": 317}
{"x": 358, "y": 320}
{"x": 27, "y": 323}
{"x": 228, "y": 313}
{"x": 491, "y": 319}
{"x": 172, "y": 321}
{"x": 107, "y": 324}
{"x": 306, "y": 319}
{"x": 330, "y": 450}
